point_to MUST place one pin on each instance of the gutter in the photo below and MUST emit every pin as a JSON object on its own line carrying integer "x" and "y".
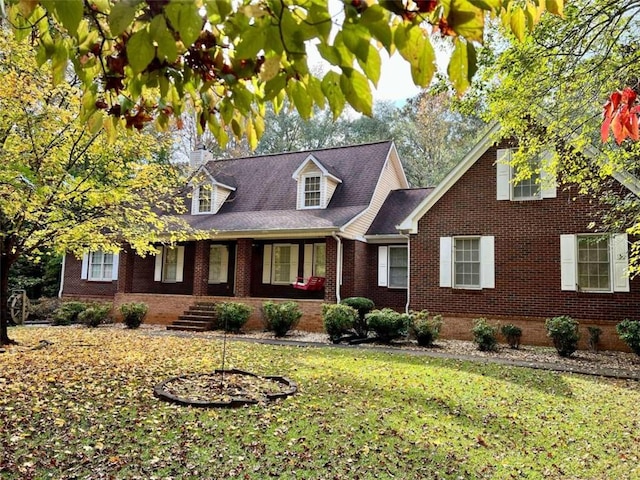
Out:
{"x": 64, "y": 262}
{"x": 338, "y": 265}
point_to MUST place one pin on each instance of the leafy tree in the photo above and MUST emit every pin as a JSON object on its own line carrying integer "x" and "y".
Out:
{"x": 39, "y": 276}
{"x": 548, "y": 91}
{"x": 141, "y": 61}
{"x": 63, "y": 188}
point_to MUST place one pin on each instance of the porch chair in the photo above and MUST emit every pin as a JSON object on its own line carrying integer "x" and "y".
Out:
{"x": 312, "y": 284}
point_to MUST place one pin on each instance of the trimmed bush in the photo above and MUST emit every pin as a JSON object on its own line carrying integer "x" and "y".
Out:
{"x": 563, "y": 330}
{"x": 629, "y": 332}
{"x": 68, "y": 313}
{"x": 95, "y": 315}
{"x": 363, "y": 306}
{"x": 485, "y": 335}
{"x": 133, "y": 313}
{"x": 388, "y": 324}
{"x": 425, "y": 328}
{"x": 338, "y": 319}
{"x": 512, "y": 334}
{"x": 232, "y": 316}
{"x": 281, "y": 317}
{"x": 594, "y": 338}
{"x": 44, "y": 308}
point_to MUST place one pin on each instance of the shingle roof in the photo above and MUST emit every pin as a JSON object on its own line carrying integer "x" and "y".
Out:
{"x": 265, "y": 196}
{"x": 396, "y": 207}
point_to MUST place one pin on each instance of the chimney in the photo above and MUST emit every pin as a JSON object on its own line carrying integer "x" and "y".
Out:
{"x": 199, "y": 156}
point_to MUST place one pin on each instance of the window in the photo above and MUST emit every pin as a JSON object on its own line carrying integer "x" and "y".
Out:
{"x": 527, "y": 188}
{"x": 169, "y": 265}
{"x": 594, "y": 263}
{"x": 280, "y": 264}
{"x": 398, "y": 263}
{"x": 101, "y": 266}
{"x": 312, "y": 191}
{"x": 538, "y": 185}
{"x": 218, "y": 264}
{"x": 204, "y": 198}
{"x": 467, "y": 262}
{"x": 320, "y": 260}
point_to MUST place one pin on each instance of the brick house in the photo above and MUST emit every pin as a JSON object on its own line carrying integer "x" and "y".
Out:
{"x": 476, "y": 245}
{"x": 272, "y": 221}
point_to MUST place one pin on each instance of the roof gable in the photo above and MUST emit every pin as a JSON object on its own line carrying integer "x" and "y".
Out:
{"x": 311, "y": 159}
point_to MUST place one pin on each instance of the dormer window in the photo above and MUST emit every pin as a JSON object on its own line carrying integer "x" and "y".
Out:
{"x": 312, "y": 191}
{"x": 536, "y": 184}
{"x": 316, "y": 184}
{"x": 204, "y": 198}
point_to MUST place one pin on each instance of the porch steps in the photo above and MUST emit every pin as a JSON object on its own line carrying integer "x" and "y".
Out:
{"x": 198, "y": 318}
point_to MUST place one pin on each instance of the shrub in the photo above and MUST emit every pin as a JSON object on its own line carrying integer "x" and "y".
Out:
{"x": 133, "y": 313}
{"x": 388, "y": 324}
{"x": 44, "y": 309}
{"x": 363, "y": 306}
{"x": 68, "y": 313}
{"x": 232, "y": 316}
{"x": 425, "y": 328}
{"x": 629, "y": 332}
{"x": 281, "y": 317}
{"x": 485, "y": 335}
{"x": 95, "y": 315}
{"x": 338, "y": 320}
{"x": 512, "y": 334}
{"x": 594, "y": 338}
{"x": 563, "y": 330}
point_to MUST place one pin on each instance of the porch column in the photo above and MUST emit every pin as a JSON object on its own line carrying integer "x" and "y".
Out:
{"x": 201, "y": 268}
{"x": 331, "y": 280}
{"x": 243, "y": 267}
{"x": 125, "y": 269}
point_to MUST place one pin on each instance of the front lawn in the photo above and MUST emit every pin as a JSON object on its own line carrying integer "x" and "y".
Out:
{"x": 83, "y": 407}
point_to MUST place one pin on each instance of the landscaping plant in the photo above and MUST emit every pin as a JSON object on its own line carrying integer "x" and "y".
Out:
{"x": 68, "y": 313}
{"x": 133, "y": 313}
{"x": 425, "y": 327}
{"x": 95, "y": 315}
{"x": 594, "y": 338}
{"x": 629, "y": 332}
{"x": 485, "y": 335}
{"x": 512, "y": 333}
{"x": 281, "y": 317}
{"x": 388, "y": 324}
{"x": 232, "y": 316}
{"x": 338, "y": 319}
{"x": 363, "y": 306}
{"x": 563, "y": 330}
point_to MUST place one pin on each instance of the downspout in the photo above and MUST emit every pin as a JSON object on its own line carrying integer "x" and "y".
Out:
{"x": 338, "y": 265}
{"x": 406, "y": 307}
{"x": 64, "y": 261}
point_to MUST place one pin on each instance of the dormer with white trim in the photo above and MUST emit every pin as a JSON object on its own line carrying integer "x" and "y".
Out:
{"x": 316, "y": 184}
{"x": 208, "y": 194}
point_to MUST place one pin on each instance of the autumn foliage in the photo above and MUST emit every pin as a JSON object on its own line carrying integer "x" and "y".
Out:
{"x": 620, "y": 115}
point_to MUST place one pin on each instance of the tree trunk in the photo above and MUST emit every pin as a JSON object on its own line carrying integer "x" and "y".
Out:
{"x": 4, "y": 296}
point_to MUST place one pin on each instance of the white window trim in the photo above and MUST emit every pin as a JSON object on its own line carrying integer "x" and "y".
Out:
{"x": 487, "y": 262}
{"x": 505, "y": 174}
{"x": 618, "y": 263}
{"x": 224, "y": 265}
{"x": 384, "y": 266}
{"x": 85, "y": 273}
{"x": 322, "y": 186}
{"x": 392, "y": 247}
{"x": 159, "y": 271}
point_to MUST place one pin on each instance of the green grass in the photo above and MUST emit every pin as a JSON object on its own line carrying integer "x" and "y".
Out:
{"x": 83, "y": 408}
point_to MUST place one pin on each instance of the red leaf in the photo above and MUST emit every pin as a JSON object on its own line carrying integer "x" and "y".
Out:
{"x": 633, "y": 127}
{"x": 604, "y": 130}
{"x": 628, "y": 96}
{"x": 618, "y": 128}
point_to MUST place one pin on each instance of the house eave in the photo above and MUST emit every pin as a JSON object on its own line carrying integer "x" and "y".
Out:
{"x": 385, "y": 239}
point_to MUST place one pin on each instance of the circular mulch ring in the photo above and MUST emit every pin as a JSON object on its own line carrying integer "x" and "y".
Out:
{"x": 224, "y": 389}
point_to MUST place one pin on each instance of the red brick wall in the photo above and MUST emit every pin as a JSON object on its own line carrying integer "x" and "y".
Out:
{"x": 527, "y": 255}
{"x": 383, "y": 297}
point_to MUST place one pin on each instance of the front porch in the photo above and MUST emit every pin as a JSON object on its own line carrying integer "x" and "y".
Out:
{"x": 165, "y": 309}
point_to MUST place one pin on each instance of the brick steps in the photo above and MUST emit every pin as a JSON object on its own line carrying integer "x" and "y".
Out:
{"x": 198, "y": 318}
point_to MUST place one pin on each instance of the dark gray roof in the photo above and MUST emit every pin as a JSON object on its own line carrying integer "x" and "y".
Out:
{"x": 265, "y": 195}
{"x": 396, "y": 207}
